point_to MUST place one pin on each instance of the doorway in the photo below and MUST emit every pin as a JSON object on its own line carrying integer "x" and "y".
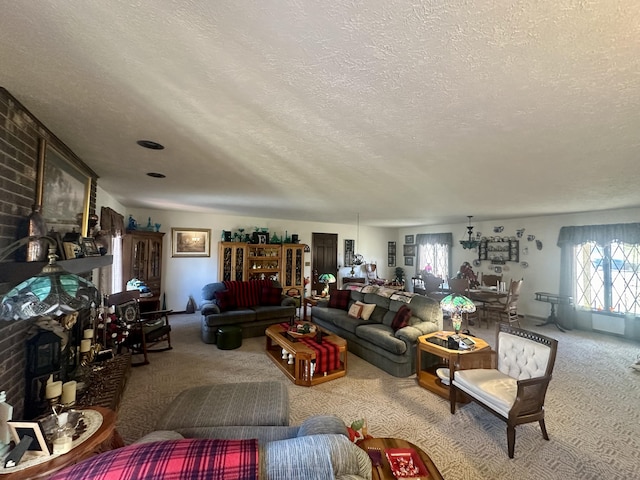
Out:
{"x": 324, "y": 258}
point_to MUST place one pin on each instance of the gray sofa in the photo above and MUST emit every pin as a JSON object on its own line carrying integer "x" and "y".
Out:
{"x": 374, "y": 339}
{"x": 221, "y": 414}
{"x": 319, "y": 448}
{"x": 253, "y": 318}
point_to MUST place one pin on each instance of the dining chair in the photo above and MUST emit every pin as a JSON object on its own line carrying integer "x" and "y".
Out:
{"x": 510, "y": 382}
{"x": 507, "y": 309}
{"x": 145, "y": 329}
{"x": 490, "y": 280}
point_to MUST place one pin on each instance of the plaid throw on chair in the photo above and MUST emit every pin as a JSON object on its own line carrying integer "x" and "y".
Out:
{"x": 186, "y": 459}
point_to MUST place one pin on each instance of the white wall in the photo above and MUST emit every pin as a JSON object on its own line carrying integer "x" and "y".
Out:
{"x": 543, "y": 273}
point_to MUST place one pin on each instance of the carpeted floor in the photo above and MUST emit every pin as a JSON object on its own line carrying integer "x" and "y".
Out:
{"x": 592, "y": 406}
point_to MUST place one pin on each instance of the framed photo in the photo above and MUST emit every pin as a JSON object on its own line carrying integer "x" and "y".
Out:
{"x": 190, "y": 242}
{"x": 408, "y": 261}
{"x": 409, "y": 251}
{"x": 89, "y": 247}
{"x": 408, "y": 239}
{"x": 70, "y": 250}
{"x": 391, "y": 248}
{"x": 391, "y": 261}
{"x": 349, "y": 246}
{"x": 34, "y": 430}
{"x": 63, "y": 190}
{"x": 260, "y": 237}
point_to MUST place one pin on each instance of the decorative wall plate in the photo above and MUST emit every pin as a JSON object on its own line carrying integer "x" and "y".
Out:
{"x": 476, "y": 263}
{"x": 524, "y": 264}
{"x": 538, "y": 244}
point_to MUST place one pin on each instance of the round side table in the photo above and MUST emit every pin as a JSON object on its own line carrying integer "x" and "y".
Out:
{"x": 104, "y": 439}
{"x": 384, "y": 473}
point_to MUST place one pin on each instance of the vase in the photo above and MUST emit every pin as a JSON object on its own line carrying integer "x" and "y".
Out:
{"x": 34, "y": 226}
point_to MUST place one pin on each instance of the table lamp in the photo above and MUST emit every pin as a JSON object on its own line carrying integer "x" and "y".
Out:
{"x": 326, "y": 278}
{"x": 456, "y": 304}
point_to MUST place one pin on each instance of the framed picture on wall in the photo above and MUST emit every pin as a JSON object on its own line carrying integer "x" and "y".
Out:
{"x": 391, "y": 261}
{"x": 409, "y": 250}
{"x": 408, "y": 261}
{"x": 190, "y": 242}
{"x": 391, "y": 248}
{"x": 63, "y": 190}
{"x": 349, "y": 246}
{"x": 408, "y": 239}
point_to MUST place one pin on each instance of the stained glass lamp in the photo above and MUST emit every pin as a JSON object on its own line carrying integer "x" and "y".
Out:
{"x": 456, "y": 304}
{"x": 53, "y": 292}
{"x": 326, "y": 278}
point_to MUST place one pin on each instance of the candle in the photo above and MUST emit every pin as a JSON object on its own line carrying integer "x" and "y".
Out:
{"x": 85, "y": 345}
{"x": 50, "y": 379}
{"x": 53, "y": 389}
{"x": 88, "y": 333}
{"x": 69, "y": 392}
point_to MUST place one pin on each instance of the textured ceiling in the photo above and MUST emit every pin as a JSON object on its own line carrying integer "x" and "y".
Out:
{"x": 402, "y": 111}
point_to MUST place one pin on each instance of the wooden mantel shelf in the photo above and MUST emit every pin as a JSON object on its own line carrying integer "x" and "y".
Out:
{"x": 12, "y": 273}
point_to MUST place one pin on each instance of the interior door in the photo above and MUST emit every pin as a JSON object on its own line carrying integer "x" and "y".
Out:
{"x": 324, "y": 258}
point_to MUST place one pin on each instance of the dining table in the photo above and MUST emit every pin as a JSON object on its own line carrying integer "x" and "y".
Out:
{"x": 483, "y": 295}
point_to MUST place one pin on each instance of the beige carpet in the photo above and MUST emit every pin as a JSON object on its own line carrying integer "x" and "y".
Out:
{"x": 592, "y": 406}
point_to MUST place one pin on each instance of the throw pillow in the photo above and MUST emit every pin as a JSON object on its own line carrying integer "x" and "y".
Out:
{"x": 367, "y": 309}
{"x": 271, "y": 296}
{"x": 355, "y": 310}
{"x": 401, "y": 318}
{"x": 225, "y": 300}
{"x": 340, "y": 299}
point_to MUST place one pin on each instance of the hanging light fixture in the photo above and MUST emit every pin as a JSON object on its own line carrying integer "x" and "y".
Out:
{"x": 470, "y": 243}
{"x": 53, "y": 292}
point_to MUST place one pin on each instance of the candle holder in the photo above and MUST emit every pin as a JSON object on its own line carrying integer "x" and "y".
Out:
{"x": 54, "y": 401}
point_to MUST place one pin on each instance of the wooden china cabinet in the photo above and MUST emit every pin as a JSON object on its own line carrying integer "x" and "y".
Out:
{"x": 142, "y": 259}
{"x": 248, "y": 261}
{"x": 292, "y": 266}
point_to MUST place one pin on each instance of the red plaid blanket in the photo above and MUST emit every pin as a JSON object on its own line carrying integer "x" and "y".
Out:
{"x": 247, "y": 294}
{"x": 188, "y": 459}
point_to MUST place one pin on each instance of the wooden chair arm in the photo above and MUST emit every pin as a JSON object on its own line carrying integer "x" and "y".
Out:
{"x": 470, "y": 360}
{"x": 530, "y": 396}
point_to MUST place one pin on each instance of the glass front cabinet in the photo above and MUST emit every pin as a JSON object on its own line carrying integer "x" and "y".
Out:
{"x": 142, "y": 259}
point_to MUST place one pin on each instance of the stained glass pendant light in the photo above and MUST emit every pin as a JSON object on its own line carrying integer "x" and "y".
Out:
{"x": 53, "y": 292}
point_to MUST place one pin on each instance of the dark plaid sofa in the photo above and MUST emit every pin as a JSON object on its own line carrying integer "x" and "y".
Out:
{"x": 253, "y": 306}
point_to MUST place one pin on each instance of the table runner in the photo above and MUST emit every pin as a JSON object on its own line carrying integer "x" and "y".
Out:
{"x": 327, "y": 353}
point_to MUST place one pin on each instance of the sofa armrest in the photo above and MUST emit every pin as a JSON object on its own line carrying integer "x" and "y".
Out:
{"x": 319, "y": 424}
{"x": 209, "y": 308}
{"x": 332, "y": 456}
{"x": 410, "y": 333}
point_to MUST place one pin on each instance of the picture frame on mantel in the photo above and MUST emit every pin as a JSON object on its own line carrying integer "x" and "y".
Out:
{"x": 190, "y": 242}
{"x": 63, "y": 190}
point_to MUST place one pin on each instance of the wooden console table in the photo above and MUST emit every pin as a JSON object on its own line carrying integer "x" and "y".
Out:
{"x": 104, "y": 439}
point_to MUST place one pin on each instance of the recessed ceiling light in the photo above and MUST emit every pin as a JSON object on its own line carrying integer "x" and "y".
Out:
{"x": 150, "y": 144}
{"x": 156, "y": 175}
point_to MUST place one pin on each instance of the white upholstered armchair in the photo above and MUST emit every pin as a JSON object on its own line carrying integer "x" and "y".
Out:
{"x": 511, "y": 382}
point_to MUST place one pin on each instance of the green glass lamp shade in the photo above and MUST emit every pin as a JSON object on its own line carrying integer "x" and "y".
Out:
{"x": 456, "y": 303}
{"x": 53, "y": 292}
{"x": 327, "y": 278}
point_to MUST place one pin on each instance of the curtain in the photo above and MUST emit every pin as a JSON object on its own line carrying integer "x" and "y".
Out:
{"x": 111, "y": 222}
{"x": 431, "y": 238}
{"x": 569, "y": 237}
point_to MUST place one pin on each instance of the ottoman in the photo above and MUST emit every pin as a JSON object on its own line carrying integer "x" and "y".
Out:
{"x": 229, "y": 337}
{"x": 228, "y": 404}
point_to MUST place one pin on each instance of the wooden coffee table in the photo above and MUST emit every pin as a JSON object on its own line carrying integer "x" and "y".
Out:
{"x": 299, "y": 372}
{"x": 384, "y": 472}
{"x": 432, "y": 356}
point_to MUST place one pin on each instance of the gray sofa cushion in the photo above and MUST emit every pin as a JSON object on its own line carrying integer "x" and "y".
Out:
{"x": 382, "y": 336}
{"x": 249, "y": 403}
{"x": 263, "y": 433}
{"x": 269, "y": 312}
{"x": 232, "y": 317}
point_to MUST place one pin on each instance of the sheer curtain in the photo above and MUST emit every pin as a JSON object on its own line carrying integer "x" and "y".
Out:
{"x": 112, "y": 228}
{"x": 434, "y": 249}
{"x": 569, "y": 237}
